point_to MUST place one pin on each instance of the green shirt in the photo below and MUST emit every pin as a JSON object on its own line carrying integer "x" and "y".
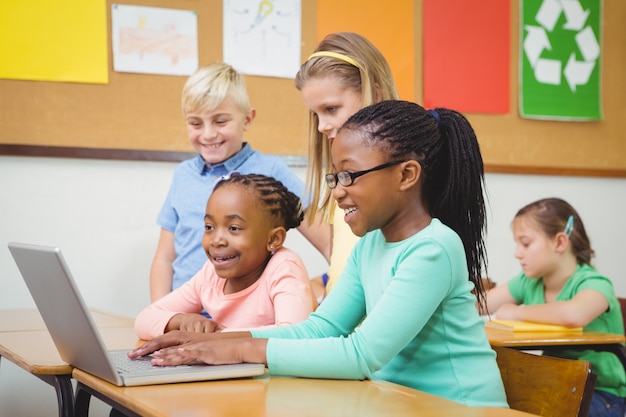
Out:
{"x": 608, "y": 368}
{"x": 401, "y": 312}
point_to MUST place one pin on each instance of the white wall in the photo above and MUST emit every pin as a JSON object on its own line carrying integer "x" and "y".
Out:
{"x": 102, "y": 214}
{"x": 599, "y": 201}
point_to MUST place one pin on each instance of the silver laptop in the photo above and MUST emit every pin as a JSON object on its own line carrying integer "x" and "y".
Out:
{"x": 78, "y": 340}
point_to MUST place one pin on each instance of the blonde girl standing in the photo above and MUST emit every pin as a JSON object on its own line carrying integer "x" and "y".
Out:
{"x": 345, "y": 73}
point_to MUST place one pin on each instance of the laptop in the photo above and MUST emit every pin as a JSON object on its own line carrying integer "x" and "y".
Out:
{"x": 78, "y": 340}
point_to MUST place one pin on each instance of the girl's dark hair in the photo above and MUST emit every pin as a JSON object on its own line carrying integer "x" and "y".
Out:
{"x": 445, "y": 145}
{"x": 281, "y": 205}
{"x": 551, "y": 215}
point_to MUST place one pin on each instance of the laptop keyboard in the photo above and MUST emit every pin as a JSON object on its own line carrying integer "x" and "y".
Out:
{"x": 123, "y": 363}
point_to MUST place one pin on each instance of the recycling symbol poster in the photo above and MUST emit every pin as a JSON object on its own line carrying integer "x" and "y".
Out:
{"x": 560, "y": 57}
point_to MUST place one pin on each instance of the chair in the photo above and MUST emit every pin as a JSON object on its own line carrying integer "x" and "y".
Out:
{"x": 546, "y": 386}
{"x": 487, "y": 284}
{"x": 622, "y": 303}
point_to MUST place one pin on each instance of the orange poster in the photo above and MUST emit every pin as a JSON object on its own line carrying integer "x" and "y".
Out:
{"x": 389, "y": 28}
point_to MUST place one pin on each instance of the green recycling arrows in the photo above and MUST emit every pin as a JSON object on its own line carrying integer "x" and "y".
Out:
{"x": 560, "y": 59}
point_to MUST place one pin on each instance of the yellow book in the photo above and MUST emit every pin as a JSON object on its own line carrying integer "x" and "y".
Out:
{"x": 527, "y": 326}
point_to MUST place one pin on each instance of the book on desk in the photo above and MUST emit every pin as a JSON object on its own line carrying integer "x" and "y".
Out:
{"x": 528, "y": 326}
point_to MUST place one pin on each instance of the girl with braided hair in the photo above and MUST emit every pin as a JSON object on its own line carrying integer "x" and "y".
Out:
{"x": 250, "y": 280}
{"x": 410, "y": 183}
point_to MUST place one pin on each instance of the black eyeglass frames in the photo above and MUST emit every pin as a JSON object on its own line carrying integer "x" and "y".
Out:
{"x": 346, "y": 178}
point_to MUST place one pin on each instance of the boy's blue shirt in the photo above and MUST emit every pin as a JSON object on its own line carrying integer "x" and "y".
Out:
{"x": 184, "y": 207}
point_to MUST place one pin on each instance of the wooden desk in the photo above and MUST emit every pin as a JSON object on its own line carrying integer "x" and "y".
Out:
{"x": 273, "y": 397}
{"x": 25, "y": 341}
{"x": 21, "y": 319}
{"x": 601, "y": 342}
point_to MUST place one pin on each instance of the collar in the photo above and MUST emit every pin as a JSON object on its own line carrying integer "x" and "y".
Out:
{"x": 231, "y": 164}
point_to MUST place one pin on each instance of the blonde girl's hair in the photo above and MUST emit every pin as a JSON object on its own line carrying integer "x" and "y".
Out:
{"x": 551, "y": 215}
{"x": 371, "y": 77}
{"x": 208, "y": 86}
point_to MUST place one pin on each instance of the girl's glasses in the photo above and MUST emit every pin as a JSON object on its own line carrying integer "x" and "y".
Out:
{"x": 346, "y": 178}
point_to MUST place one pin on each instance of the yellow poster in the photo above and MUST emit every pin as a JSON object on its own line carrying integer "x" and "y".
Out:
{"x": 388, "y": 26}
{"x": 53, "y": 40}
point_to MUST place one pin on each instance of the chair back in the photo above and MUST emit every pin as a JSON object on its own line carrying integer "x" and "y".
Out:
{"x": 546, "y": 386}
{"x": 622, "y": 303}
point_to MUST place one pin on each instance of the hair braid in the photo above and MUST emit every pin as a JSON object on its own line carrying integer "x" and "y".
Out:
{"x": 281, "y": 205}
{"x": 462, "y": 205}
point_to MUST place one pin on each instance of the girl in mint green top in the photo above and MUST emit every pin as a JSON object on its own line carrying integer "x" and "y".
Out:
{"x": 421, "y": 329}
{"x": 558, "y": 286}
{"x": 409, "y": 181}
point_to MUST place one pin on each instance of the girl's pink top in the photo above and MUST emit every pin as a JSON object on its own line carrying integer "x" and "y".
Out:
{"x": 282, "y": 295}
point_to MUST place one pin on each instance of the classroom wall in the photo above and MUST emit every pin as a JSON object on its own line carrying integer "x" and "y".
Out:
{"x": 102, "y": 214}
{"x": 147, "y": 114}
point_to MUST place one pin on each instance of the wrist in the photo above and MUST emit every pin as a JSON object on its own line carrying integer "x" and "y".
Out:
{"x": 254, "y": 350}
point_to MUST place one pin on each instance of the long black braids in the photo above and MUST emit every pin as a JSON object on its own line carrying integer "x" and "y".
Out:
{"x": 445, "y": 145}
{"x": 460, "y": 203}
{"x": 282, "y": 206}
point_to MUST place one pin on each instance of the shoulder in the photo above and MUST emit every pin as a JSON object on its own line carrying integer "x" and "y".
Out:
{"x": 273, "y": 166}
{"x": 521, "y": 286}
{"x": 249, "y": 157}
{"x": 258, "y": 157}
{"x": 285, "y": 273}
{"x": 189, "y": 167}
{"x": 284, "y": 256}
{"x": 437, "y": 238}
{"x": 206, "y": 277}
{"x": 587, "y": 277}
{"x": 435, "y": 244}
{"x": 190, "y": 175}
{"x": 261, "y": 163}
{"x": 436, "y": 230}
{"x": 436, "y": 234}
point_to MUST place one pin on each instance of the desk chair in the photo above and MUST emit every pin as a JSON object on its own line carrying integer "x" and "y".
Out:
{"x": 487, "y": 284}
{"x": 543, "y": 385}
{"x": 622, "y": 303}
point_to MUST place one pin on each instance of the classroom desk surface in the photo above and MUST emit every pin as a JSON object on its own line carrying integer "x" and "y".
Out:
{"x": 35, "y": 352}
{"x": 273, "y": 397}
{"x": 25, "y": 341}
{"x": 506, "y": 338}
{"x": 30, "y": 319}
{"x": 602, "y": 342}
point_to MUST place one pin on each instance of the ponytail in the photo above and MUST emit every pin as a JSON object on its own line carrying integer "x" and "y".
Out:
{"x": 455, "y": 190}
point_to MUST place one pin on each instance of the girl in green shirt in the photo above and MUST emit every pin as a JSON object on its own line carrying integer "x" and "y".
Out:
{"x": 558, "y": 285}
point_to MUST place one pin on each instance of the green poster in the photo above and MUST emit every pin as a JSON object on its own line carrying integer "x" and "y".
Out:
{"x": 560, "y": 57}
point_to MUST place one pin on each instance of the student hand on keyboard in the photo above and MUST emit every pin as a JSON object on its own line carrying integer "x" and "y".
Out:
{"x": 196, "y": 323}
